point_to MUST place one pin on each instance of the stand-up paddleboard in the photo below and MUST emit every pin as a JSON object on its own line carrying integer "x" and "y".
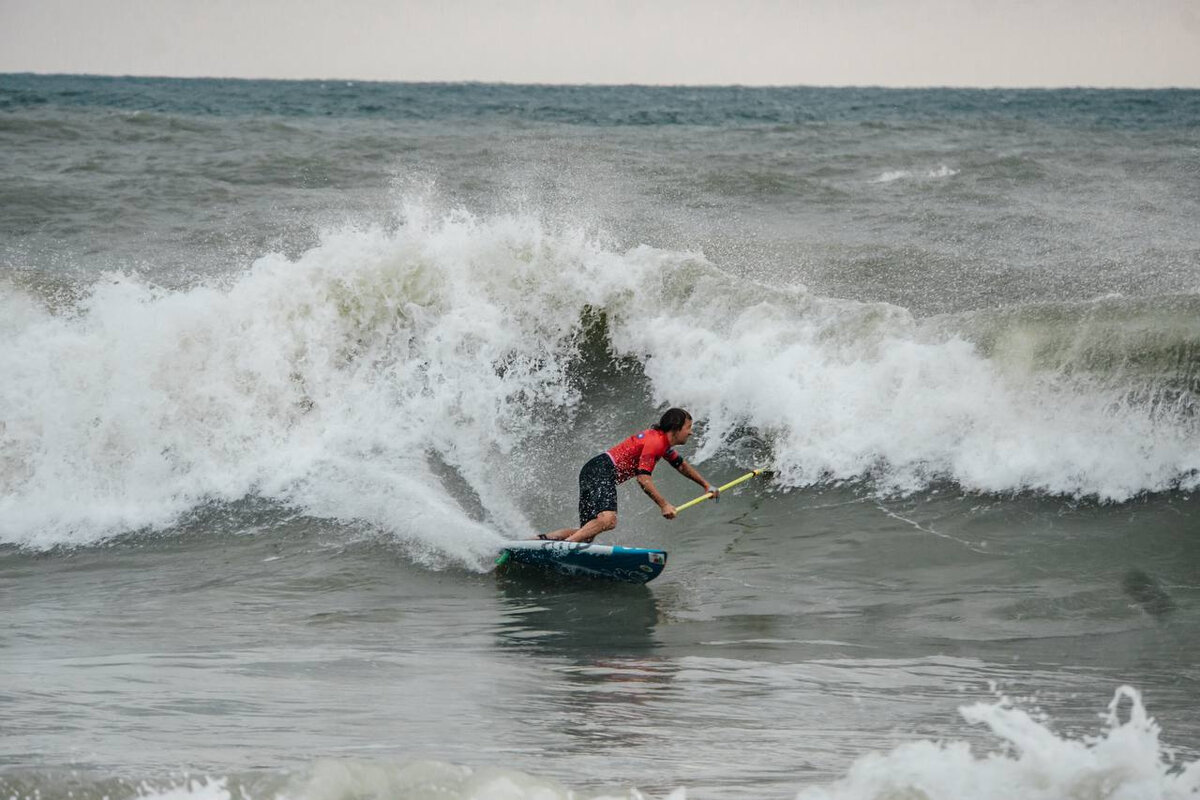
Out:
{"x": 627, "y": 564}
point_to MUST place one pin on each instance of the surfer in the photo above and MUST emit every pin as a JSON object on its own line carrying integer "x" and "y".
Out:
{"x": 637, "y": 455}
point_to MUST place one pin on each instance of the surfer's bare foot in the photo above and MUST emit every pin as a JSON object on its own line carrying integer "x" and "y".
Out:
{"x": 556, "y": 536}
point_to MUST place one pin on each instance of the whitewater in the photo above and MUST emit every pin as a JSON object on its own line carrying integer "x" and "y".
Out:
{"x": 322, "y": 382}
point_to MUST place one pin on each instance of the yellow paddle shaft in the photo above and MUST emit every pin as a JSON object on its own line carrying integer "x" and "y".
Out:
{"x": 729, "y": 485}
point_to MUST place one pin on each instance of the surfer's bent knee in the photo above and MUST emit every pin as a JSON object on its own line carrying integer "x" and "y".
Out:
{"x": 608, "y": 519}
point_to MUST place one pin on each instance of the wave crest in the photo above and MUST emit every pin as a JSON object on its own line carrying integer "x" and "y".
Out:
{"x": 323, "y": 382}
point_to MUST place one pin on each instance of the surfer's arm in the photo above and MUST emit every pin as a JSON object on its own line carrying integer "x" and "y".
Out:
{"x": 651, "y": 491}
{"x": 688, "y": 471}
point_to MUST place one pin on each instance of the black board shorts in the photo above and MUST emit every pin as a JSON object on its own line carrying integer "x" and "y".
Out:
{"x": 597, "y": 488}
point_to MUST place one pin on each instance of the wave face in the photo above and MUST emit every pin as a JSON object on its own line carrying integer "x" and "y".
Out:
{"x": 325, "y": 382}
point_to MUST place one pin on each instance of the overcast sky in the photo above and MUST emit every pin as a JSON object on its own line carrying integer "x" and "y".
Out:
{"x": 1136, "y": 43}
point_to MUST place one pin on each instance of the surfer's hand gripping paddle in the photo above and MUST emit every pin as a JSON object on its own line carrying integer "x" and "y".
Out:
{"x": 719, "y": 489}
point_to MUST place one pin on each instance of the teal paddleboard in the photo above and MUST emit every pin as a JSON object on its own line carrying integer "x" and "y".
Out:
{"x": 626, "y": 564}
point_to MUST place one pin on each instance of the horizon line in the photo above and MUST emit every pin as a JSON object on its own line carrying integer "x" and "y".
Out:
{"x": 602, "y": 85}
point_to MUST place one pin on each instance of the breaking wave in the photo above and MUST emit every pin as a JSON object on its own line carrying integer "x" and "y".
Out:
{"x": 339, "y": 382}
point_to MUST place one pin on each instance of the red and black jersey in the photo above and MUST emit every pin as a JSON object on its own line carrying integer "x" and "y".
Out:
{"x": 638, "y": 454}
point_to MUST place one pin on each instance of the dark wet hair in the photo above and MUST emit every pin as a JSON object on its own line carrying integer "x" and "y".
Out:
{"x": 673, "y": 420}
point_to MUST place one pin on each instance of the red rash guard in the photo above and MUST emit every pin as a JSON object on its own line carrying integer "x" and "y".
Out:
{"x": 638, "y": 454}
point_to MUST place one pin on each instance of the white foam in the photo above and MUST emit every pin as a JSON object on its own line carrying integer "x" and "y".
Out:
{"x": 1126, "y": 761}
{"x": 891, "y": 176}
{"x": 323, "y": 383}
{"x": 337, "y": 779}
{"x": 334, "y": 779}
{"x": 188, "y": 788}
{"x": 849, "y": 390}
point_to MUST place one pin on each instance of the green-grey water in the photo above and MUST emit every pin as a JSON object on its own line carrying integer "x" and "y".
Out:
{"x": 285, "y": 363}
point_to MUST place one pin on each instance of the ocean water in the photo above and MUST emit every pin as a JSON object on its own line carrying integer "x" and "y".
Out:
{"x": 282, "y": 364}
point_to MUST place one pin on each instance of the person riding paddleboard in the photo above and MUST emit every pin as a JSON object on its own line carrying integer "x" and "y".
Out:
{"x": 637, "y": 455}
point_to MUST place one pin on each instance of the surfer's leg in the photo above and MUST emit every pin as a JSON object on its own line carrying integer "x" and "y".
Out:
{"x": 597, "y": 501}
{"x": 604, "y": 521}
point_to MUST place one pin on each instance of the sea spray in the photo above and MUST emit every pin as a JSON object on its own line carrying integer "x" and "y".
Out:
{"x": 1124, "y": 762}
{"x": 322, "y": 382}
